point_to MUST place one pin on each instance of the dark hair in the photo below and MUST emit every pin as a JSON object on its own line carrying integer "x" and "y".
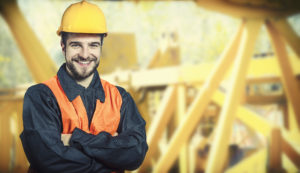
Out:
{"x": 64, "y": 37}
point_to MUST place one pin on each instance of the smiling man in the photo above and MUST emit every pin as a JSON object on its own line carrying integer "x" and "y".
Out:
{"x": 76, "y": 121}
{"x": 82, "y": 53}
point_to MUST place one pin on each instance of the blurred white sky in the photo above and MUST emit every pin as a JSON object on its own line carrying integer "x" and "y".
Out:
{"x": 198, "y": 29}
{"x": 202, "y": 34}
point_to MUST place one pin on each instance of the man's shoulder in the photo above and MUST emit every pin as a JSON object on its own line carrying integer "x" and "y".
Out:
{"x": 38, "y": 89}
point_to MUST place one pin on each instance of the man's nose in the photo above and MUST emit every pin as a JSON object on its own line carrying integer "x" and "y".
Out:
{"x": 84, "y": 52}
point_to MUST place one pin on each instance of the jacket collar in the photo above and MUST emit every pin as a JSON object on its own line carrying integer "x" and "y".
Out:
{"x": 72, "y": 89}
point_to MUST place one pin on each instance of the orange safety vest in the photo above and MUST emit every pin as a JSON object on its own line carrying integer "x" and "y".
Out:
{"x": 106, "y": 116}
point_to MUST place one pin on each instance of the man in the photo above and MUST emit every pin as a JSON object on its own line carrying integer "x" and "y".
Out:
{"x": 75, "y": 121}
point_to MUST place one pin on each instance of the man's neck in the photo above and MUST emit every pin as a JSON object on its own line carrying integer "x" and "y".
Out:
{"x": 86, "y": 82}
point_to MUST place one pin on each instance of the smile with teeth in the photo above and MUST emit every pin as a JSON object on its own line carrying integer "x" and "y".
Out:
{"x": 84, "y": 63}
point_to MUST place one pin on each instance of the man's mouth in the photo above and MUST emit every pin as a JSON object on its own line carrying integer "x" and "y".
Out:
{"x": 83, "y": 63}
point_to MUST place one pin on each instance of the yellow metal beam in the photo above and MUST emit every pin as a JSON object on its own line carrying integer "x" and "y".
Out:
{"x": 21, "y": 163}
{"x": 245, "y": 10}
{"x": 181, "y": 109}
{"x": 198, "y": 106}
{"x": 264, "y": 99}
{"x": 257, "y": 73}
{"x": 246, "y": 116}
{"x": 262, "y": 126}
{"x": 219, "y": 147}
{"x": 258, "y": 67}
{"x": 293, "y": 155}
{"x": 6, "y": 139}
{"x": 36, "y": 57}
{"x": 293, "y": 127}
{"x": 275, "y": 163}
{"x": 288, "y": 78}
{"x": 159, "y": 123}
{"x": 12, "y": 158}
{"x": 261, "y": 80}
{"x": 288, "y": 165}
{"x": 288, "y": 33}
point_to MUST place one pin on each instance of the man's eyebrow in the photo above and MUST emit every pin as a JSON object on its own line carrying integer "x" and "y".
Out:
{"x": 96, "y": 42}
{"x": 74, "y": 42}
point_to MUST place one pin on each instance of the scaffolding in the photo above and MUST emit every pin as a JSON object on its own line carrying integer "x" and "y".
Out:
{"x": 190, "y": 118}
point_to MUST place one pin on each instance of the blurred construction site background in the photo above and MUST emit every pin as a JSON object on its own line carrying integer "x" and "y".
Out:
{"x": 217, "y": 81}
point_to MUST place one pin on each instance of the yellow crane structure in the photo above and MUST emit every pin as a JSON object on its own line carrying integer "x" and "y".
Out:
{"x": 190, "y": 94}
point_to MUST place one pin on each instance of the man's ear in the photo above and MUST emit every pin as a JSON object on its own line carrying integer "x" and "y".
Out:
{"x": 63, "y": 46}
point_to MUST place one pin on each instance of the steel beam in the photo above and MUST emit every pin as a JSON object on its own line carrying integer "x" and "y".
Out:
{"x": 288, "y": 78}
{"x": 36, "y": 57}
{"x": 159, "y": 123}
{"x": 245, "y": 11}
{"x": 198, "y": 106}
{"x": 246, "y": 116}
{"x": 219, "y": 147}
{"x": 6, "y": 138}
{"x": 258, "y": 73}
{"x": 292, "y": 121}
{"x": 180, "y": 113}
{"x": 292, "y": 154}
{"x": 275, "y": 163}
{"x": 288, "y": 33}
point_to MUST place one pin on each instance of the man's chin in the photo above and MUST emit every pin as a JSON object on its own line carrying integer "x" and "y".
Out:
{"x": 82, "y": 73}
{"x": 84, "y": 76}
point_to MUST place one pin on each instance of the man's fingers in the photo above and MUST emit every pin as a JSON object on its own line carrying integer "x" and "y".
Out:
{"x": 115, "y": 134}
{"x": 65, "y": 138}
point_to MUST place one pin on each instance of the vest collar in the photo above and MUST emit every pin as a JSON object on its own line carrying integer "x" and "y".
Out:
{"x": 72, "y": 89}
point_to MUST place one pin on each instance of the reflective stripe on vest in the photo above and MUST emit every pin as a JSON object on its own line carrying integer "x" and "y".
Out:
{"x": 106, "y": 116}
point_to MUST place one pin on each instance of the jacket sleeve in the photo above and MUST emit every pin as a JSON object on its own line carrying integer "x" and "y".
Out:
{"x": 41, "y": 137}
{"x": 123, "y": 152}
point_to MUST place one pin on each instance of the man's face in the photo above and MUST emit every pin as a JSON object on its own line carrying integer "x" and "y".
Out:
{"x": 82, "y": 53}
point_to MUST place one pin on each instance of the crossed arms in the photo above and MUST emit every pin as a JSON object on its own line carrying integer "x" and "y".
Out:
{"x": 44, "y": 145}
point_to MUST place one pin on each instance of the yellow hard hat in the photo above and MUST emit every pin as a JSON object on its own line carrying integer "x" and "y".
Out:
{"x": 83, "y": 17}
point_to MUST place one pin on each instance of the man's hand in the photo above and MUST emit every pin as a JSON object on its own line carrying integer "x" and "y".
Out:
{"x": 115, "y": 134}
{"x": 65, "y": 138}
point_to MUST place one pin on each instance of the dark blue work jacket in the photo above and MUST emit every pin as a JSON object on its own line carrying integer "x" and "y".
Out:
{"x": 41, "y": 137}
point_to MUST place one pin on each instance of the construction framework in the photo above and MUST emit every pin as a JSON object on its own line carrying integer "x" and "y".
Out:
{"x": 176, "y": 113}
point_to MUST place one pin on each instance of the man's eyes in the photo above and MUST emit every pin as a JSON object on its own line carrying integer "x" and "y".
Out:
{"x": 95, "y": 45}
{"x": 75, "y": 45}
